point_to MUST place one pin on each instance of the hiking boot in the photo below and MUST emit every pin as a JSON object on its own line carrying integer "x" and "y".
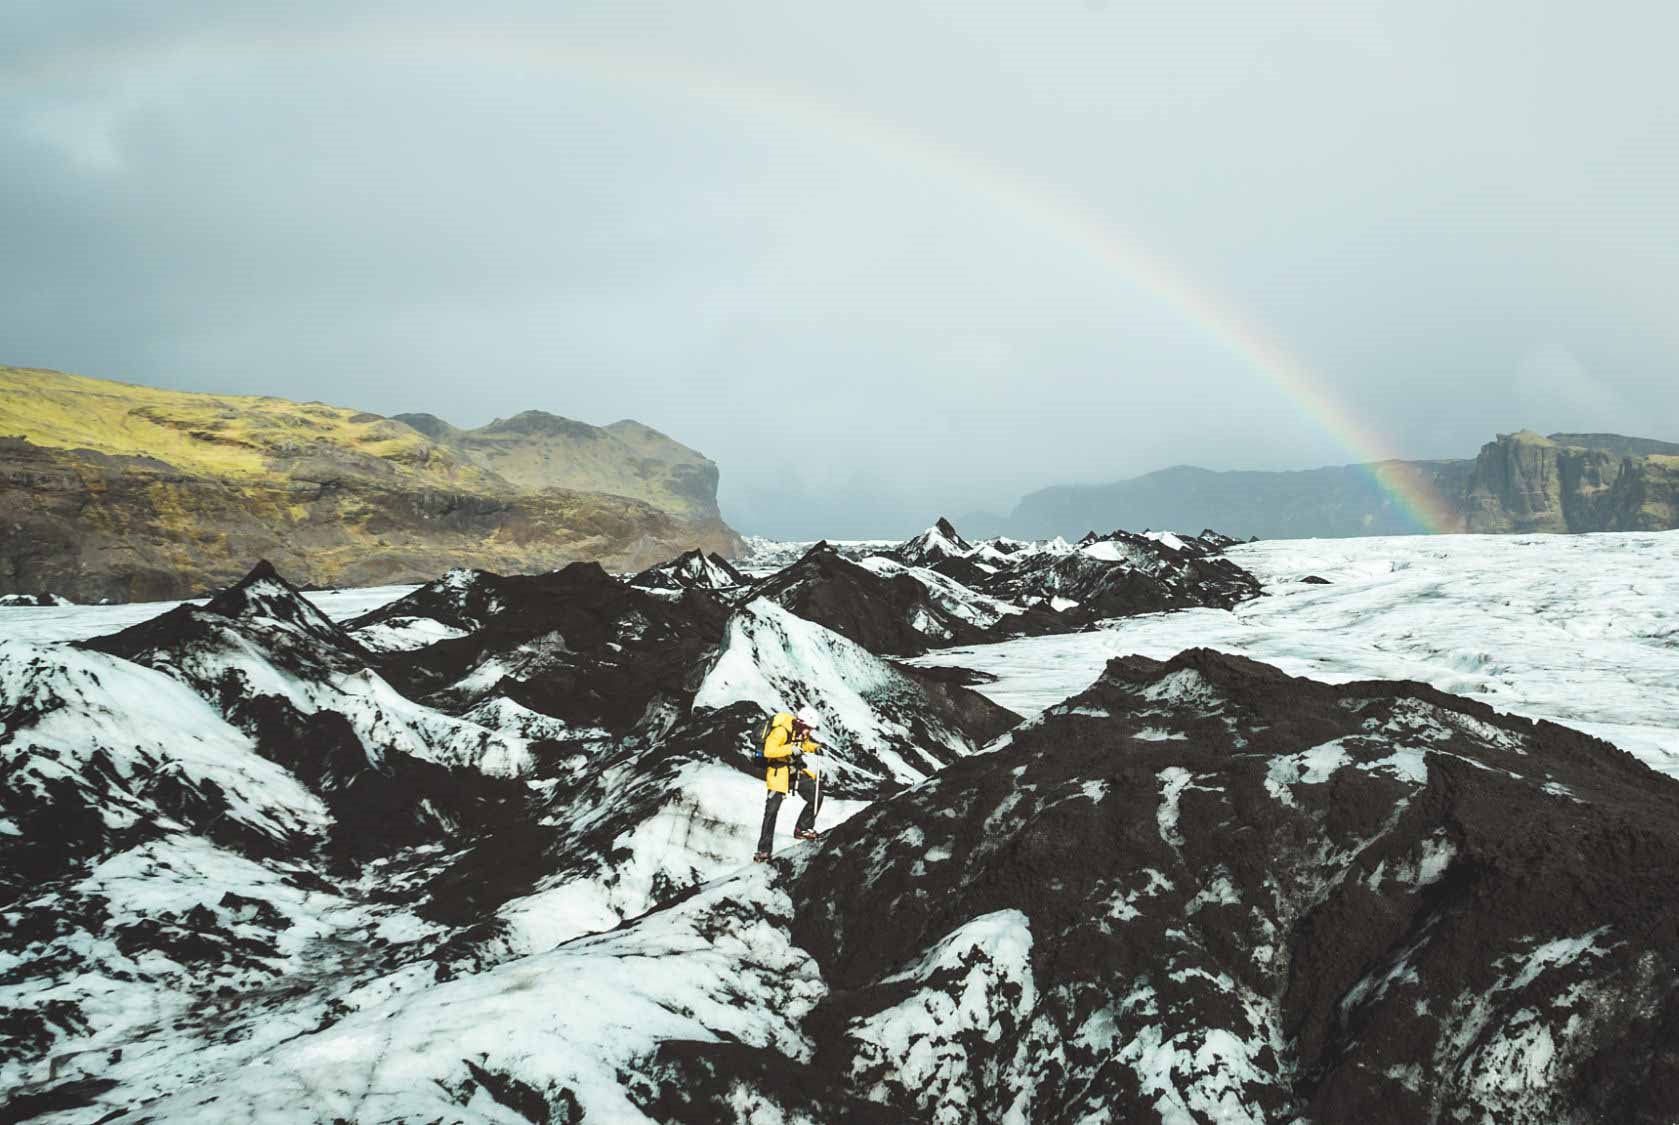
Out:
{"x": 759, "y": 857}
{"x": 806, "y": 834}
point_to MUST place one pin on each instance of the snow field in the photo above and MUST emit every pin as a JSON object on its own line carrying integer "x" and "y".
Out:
{"x": 46, "y": 625}
{"x": 1582, "y": 630}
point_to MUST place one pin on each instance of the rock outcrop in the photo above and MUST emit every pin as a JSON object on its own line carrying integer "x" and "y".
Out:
{"x": 691, "y": 571}
{"x": 128, "y": 493}
{"x": 885, "y": 613}
{"x": 576, "y": 645}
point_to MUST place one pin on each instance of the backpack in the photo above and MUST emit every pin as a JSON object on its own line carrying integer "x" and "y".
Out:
{"x": 758, "y": 759}
{"x": 763, "y": 736}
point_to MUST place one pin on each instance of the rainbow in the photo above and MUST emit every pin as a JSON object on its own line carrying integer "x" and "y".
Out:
{"x": 1045, "y": 209}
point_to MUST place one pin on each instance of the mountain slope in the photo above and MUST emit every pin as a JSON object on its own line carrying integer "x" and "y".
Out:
{"x": 1518, "y": 482}
{"x": 884, "y": 613}
{"x": 1331, "y": 502}
{"x": 576, "y": 645}
{"x": 535, "y": 450}
{"x": 873, "y": 713}
{"x": 1199, "y": 892}
{"x": 126, "y": 492}
{"x": 224, "y": 829}
{"x": 262, "y": 642}
{"x": 1205, "y": 891}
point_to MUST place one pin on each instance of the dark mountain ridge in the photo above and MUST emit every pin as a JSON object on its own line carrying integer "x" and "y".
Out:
{"x": 1520, "y": 482}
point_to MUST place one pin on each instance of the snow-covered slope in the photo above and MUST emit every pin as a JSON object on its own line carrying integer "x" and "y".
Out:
{"x": 621, "y": 830}
{"x": 878, "y": 604}
{"x": 940, "y": 542}
{"x": 764, "y": 557}
{"x": 80, "y": 622}
{"x": 1202, "y": 891}
{"x": 461, "y": 601}
{"x": 98, "y": 749}
{"x": 1121, "y": 574}
{"x": 1199, "y": 891}
{"x": 262, "y": 638}
{"x": 939, "y": 590}
{"x": 693, "y": 570}
{"x": 953, "y": 597}
{"x": 569, "y": 1035}
{"x": 164, "y": 879}
{"x": 576, "y": 645}
{"x": 883, "y": 728}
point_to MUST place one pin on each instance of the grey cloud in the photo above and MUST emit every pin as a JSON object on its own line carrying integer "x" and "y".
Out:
{"x": 855, "y": 253}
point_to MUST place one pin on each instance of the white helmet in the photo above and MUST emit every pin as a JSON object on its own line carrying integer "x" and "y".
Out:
{"x": 808, "y": 718}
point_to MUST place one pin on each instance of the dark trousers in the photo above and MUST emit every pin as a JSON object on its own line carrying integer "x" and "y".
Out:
{"x": 772, "y": 808}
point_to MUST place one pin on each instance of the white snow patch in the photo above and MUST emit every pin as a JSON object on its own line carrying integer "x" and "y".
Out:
{"x": 922, "y": 1040}
{"x": 1309, "y": 767}
{"x": 1173, "y": 781}
{"x": 402, "y": 634}
{"x": 780, "y": 662}
{"x": 718, "y": 967}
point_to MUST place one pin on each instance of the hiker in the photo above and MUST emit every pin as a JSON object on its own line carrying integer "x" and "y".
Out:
{"x": 789, "y": 739}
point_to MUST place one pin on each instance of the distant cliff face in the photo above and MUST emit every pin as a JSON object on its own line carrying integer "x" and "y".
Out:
{"x": 1524, "y": 482}
{"x": 1520, "y": 482}
{"x": 109, "y": 490}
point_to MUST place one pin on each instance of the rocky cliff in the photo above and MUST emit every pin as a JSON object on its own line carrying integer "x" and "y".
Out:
{"x": 1519, "y": 482}
{"x": 109, "y": 490}
{"x": 1524, "y": 482}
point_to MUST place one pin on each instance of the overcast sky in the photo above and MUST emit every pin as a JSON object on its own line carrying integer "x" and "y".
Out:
{"x": 880, "y": 260}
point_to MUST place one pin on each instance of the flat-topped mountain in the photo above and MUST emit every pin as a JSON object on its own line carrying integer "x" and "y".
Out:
{"x": 110, "y": 490}
{"x": 1616, "y": 443}
{"x": 1520, "y": 482}
{"x": 1524, "y": 482}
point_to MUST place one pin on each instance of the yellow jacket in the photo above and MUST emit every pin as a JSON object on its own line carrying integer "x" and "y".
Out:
{"x": 780, "y": 745}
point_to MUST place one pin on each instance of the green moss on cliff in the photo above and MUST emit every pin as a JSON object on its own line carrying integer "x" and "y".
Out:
{"x": 131, "y": 492}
